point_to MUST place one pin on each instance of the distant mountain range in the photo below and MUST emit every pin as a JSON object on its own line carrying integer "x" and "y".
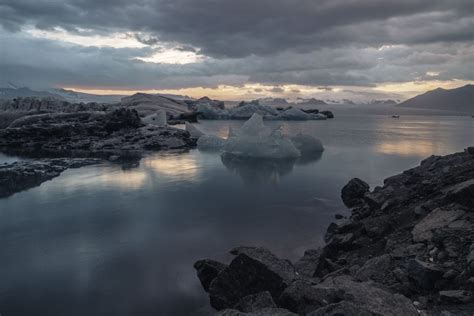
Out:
{"x": 456, "y": 100}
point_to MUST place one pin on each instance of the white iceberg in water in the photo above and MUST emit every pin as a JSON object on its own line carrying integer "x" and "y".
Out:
{"x": 193, "y": 130}
{"x": 158, "y": 119}
{"x": 307, "y": 144}
{"x": 211, "y": 143}
{"x": 256, "y": 140}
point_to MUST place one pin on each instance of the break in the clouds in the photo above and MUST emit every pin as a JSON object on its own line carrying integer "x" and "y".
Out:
{"x": 285, "y": 45}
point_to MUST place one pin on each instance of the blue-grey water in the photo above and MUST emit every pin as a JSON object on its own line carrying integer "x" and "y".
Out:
{"x": 103, "y": 240}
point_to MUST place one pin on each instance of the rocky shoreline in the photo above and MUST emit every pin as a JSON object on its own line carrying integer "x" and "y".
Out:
{"x": 407, "y": 249}
{"x": 23, "y": 175}
{"x": 78, "y": 139}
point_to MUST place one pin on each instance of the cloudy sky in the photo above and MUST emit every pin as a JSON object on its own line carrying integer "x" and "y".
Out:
{"x": 239, "y": 49}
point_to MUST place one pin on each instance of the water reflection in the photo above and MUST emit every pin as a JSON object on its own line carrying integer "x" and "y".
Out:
{"x": 261, "y": 171}
{"x": 415, "y": 147}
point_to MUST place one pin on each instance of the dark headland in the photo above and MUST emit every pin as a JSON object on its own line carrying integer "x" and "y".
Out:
{"x": 407, "y": 249}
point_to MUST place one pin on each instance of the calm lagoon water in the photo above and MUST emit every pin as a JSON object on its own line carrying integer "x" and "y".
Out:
{"x": 103, "y": 240}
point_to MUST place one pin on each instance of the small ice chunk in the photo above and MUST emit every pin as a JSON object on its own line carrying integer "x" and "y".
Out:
{"x": 259, "y": 141}
{"x": 307, "y": 144}
{"x": 158, "y": 119}
{"x": 193, "y": 130}
{"x": 294, "y": 114}
{"x": 233, "y": 132}
{"x": 211, "y": 142}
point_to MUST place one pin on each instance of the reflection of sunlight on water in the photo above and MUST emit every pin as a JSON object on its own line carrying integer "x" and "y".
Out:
{"x": 128, "y": 179}
{"x": 180, "y": 167}
{"x": 183, "y": 167}
{"x": 421, "y": 148}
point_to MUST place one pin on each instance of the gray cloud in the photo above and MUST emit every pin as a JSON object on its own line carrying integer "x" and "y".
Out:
{"x": 273, "y": 42}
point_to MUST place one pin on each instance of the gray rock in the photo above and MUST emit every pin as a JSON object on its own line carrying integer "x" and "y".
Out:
{"x": 207, "y": 270}
{"x": 302, "y": 297}
{"x": 255, "y": 302}
{"x": 438, "y": 218}
{"x": 375, "y": 269}
{"x": 370, "y": 298}
{"x": 343, "y": 308}
{"x": 253, "y": 270}
{"x": 462, "y": 193}
{"x": 456, "y": 296}
{"x": 262, "y": 312}
{"x": 310, "y": 263}
{"x": 353, "y": 192}
{"x": 424, "y": 274}
{"x": 341, "y": 241}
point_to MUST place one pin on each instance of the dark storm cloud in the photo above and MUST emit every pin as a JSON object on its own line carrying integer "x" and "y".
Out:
{"x": 274, "y": 42}
{"x": 240, "y": 28}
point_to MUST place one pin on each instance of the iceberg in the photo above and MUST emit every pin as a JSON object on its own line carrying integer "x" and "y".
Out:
{"x": 307, "y": 144}
{"x": 294, "y": 114}
{"x": 255, "y": 140}
{"x": 193, "y": 130}
{"x": 210, "y": 143}
{"x": 158, "y": 119}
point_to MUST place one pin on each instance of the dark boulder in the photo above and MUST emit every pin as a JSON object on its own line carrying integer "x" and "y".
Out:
{"x": 261, "y": 312}
{"x": 302, "y": 297}
{"x": 253, "y": 270}
{"x": 423, "y": 274}
{"x": 343, "y": 308}
{"x": 311, "y": 263}
{"x": 207, "y": 270}
{"x": 255, "y": 302}
{"x": 456, "y": 296}
{"x": 353, "y": 192}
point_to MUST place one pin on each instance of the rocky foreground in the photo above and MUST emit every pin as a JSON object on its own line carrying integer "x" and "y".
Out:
{"x": 407, "y": 249}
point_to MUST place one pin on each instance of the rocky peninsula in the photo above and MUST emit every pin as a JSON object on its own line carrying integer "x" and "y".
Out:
{"x": 79, "y": 138}
{"x": 407, "y": 249}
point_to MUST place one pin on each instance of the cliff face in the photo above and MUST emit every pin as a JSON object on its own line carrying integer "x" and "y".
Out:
{"x": 457, "y": 100}
{"x": 407, "y": 248}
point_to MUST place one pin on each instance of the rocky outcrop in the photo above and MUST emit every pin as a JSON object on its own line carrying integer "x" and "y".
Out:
{"x": 90, "y": 134}
{"x": 23, "y": 175}
{"x": 407, "y": 249}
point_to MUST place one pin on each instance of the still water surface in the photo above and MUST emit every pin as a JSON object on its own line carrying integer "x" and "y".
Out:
{"x": 103, "y": 240}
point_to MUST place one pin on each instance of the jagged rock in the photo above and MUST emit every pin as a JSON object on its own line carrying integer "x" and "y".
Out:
{"x": 341, "y": 241}
{"x": 23, "y": 175}
{"x": 424, "y": 274}
{"x": 302, "y": 297}
{"x": 369, "y": 297}
{"x": 353, "y": 192}
{"x": 438, "y": 218}
{"x": 310, "y": 263}
{"x": 343, "y": 308}
{"x": 456, "y": 296}
{"x": 255, "y": 302}
{"x": 462, "y": 193}
{"x": 261, "y": 312}
{"x": 207, "y": 270}
{"x": 375, "y": 269}
{"x": 253, "y": 270}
